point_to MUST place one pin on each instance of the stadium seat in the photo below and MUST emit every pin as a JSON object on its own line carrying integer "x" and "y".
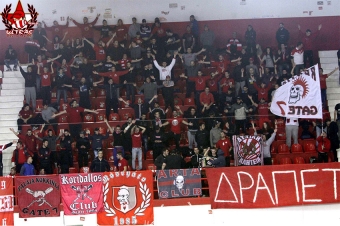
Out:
{"x": 309, "y": 147}
{"x": 286, "y": 160}
{"x": 63, "y": 119}
{"x": 75, "y": 93}
{"x": 149, "y": 155}
{"x": 85, "y": 169}
{"x": 189, "y": 101}
{"x": 114, "y": 117}
{"x": 281, "y": 136}
{"x": 296, "y": 148}
{"x": 280, "y": 123}
{"x": 100, "y": 117}
{"x": 72, "y": 170}
{"x": 275, "y": 161}
{"x": 152, "y": 167}
{"x": 178, "y": 101}
{"x": 299, "y": 160}
{"x": 283, "y": 149}
{"x": 125, "y": 113}
{"x": 101, "y": 93}
{"x": 88, "y": 118}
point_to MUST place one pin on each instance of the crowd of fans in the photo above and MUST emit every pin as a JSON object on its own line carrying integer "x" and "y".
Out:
{"x": 225, "y": 91}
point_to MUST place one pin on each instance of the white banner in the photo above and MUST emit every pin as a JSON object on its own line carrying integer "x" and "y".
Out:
{"x": 300, "y": 97}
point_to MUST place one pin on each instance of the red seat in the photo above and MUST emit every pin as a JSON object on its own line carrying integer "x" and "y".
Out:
{"x": 296, "y": 148}
{"x": 286, "y": 160}
{"x": 281, "y": 136}
{"x": 100, "y": 103}
{"x": 309, "y": 147}
{"x": 275, "y": 161}
{"x": 299, "y": 160}
{"x": 178, "y": 101}
{"x": 114, "y": 117}
{"x": 152, "y": 167}
{"x": 100, "y": 117}
{"x": 85, "y": 169}
{"x": 189, "y": 101}
{"x": 149, "y": 155}
{"x": 62, "y": 119}
{"x": 72, "y": 170}
{"x": 280, "y": 123}
{"x": 101, "y": 93}
{"x": 75, "y": 93}
{"x": 88, "y": 118}
{"x": 125, "y": 113}
{"x": 283, "y": 149}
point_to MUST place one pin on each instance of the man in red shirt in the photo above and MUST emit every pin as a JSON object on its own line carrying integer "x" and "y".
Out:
{"x": 114, "y": 74}
{"x": 206, "y": 99}
{"x": 20, "y": 155}
{"x": 225, "y": 145}
{"x": 262, "y": 90}
{"x": 323, "y": 84}
{"x": 262, "y": 110}
{"x": 175, "y": 126}
{"x": 324, "y": 146}
{"x": 75, "y": 121}
{"x": 46, "y": 78}
{"x": 100, "y": 48}
{"x": 136, "y": 136}
{"x": 307, "y": 39}
{"x": 122, "y": 162}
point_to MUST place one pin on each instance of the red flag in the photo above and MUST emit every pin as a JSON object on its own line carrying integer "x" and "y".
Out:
{"x": 128, "y": 198}
{"x": 38, "y": 196}
{"x": 6, "y": 201}
{"x": 82, "y": 193}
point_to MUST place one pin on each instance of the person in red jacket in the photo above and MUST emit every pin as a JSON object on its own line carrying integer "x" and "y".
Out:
{"x": 20, "y": 155}
{"x": 324, "y": 146}
{"x": 262, "y": 91}
{"x": 225, "y": 145}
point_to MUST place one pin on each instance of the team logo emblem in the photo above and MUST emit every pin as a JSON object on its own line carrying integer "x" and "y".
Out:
{"x": 124, "y": 198}
{"x": 19, "y": 22}
{"x": 298, "y": 91}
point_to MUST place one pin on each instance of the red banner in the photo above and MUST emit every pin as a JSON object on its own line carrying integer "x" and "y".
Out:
{"x": 82, "y": 193}
{"x": 38, "y": 196}
{"x": 6, "y": 201}
{"x": 273, "y": 186}
{"x": 179, "y": 183}
{"x": 128, "y": 198}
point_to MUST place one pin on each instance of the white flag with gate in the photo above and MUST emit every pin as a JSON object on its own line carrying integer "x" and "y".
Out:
{"x": 300, "y": 97}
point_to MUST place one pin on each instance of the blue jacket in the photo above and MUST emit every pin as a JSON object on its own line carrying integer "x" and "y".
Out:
{"x": 27, "y": 170}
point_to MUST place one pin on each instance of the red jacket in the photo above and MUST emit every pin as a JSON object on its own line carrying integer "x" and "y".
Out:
{"x": 325, "y": 142}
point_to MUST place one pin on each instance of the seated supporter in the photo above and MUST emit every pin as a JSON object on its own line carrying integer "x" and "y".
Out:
{"x": 11, "y": 58}
{"x": 25, "y": 117}
{"x": 324, "y": 146}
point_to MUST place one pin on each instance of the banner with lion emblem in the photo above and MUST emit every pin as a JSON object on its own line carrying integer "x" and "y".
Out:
{"x": 248, "y": 150}
{"x": 299, "y": 97}
{"x": 128, "y": 198}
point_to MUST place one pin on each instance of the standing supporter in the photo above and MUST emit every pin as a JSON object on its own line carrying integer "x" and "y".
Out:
{"x": 168, "y": 92}
{"x": 149, "y": 90}
{"x": 192, "y": 122}
{"x": 165, "y": 70}
{"x": 308, "y": 40}
{"x": 175, "y": 126}
{"x": 105, "y": 30}
{"x": 52, "y": 145}
{"x": 160, "y": 159}
{"x": 188, "y": 39}
{"x": 250, "y": 37}
{"x": 332, "y": 135}
{"x": 323, "y": 84}
{"x": 118, "y": 140}
{"x": 267, "y": 140}
{"x": 139, "y": 108}
{"x": 158, "y": 139}
{"x": 234, "y": 45}
{"x": 269, "y": 58}
{"x": 75, "y": 120}
{"x": 97, "y": 140}
{"x": 239, "y": 109}
{"x": 83, "y": 145}
{"x": 99, "y": 164}
{"x": 136, "y": 137}
{"x": 60, "y": 81}
{"x": 86, "y": 31}
{"x": 116, "y": 51}
{"x": 282, "y": 35}
{"x": 202, "y": 137}
{"x": 240, "y": 78}
{"x": 292, "y": 129}
{"x": 283, "y": 60}
{"x": 27, "y": 168}
{"x": 30, "y": 142}
{"x": 207, "y": 39}
{"x": 25, "y": 117}
{"x": 196, "y": 159}
{"x": 11, "y": 57}
{"x": 39, "y": 33}
{"x": 66, "y": 156}
{"x": 297, "y": 55}
{"x": 194, "y": 26}
{"x": 206, "y": 100}
{"x": 173, "y": 161}
{"x": 215, "y": 133}
{"x": 225, "y": 145}
{"x": 19, "y": 156}
{"x": 225, "y": 84}
{"x": 134, "y": 28}
{"x": 46, "y": 83}
{"x": 56, "y": 28}
{"x": 2, "y": 148}
{"x": 122, "y": 162}
{"x": 122, "y": 33}
{"x": 46, "y": 114}
{"x": 100, "y": 48}
{"x": 145, "y": 30}
{"x": 324, "y": 146}
{"x": 44, "y": 155}
{"x": 200, "y": 84}
{"x": 65, "y": 66}
{"x": 33, "y": 48}
{"x": 30, "y": 82}
{"x": 136, "y": 54}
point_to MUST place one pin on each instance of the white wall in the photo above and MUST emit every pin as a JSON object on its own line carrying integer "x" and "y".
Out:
{"x": 50, "y": 10}
{"x": 202, "y": 216}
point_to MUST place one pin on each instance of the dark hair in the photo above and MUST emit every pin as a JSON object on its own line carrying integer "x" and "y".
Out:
{"x": 44, "y": 140}
{"x": 299, "y": 43}
{"x": 120, "y": 153}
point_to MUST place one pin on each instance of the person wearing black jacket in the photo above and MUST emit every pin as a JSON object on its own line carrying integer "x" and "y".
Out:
{"x": 60, "y": 81}
{"x": 191, "y": 118}
{"x": 11, "y": 57}
{"x": 219, "y": 161}
{"x": 30, "y": 82}
{"x": 129, "y": 80}
{"x": 161, "y": 159}
{"x": 158, "y": 139}
{"x": 99, "y": 164}
{"x": 44, "y": 155}
{"x": 111, "y": 100}
{"x": 65, "y": 155}
{"x": 173, "y": 161}
{"x": 97, "y": 140}
{"x": 202, "y": 137}
{"x": 83, "y": 146}
{"x": 196, "y": 159}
